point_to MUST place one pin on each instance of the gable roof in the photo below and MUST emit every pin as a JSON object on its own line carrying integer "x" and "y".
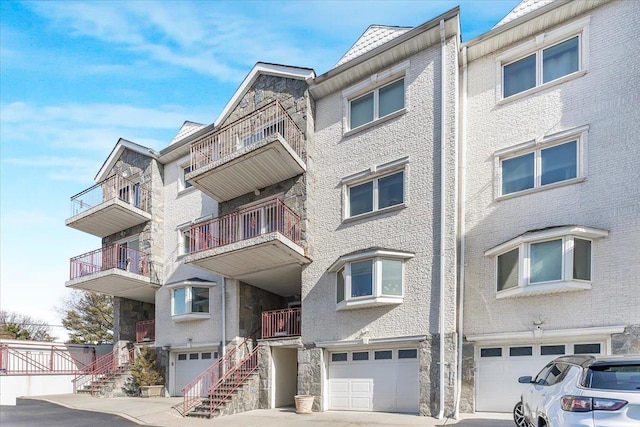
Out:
{"x": 260, "y": 68}
{"x": 523, "y": 8}
{"x": 374, "y": 36}
{"x": 187, "y": 129}
{"x": 117, "y": 151}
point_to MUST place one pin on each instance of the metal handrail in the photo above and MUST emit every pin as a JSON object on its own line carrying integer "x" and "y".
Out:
{"x": 102, "y": 368}
{"x": 115, "y": 187}
{"x": 265, "y": 122}
{"x": 267, "y": 217}
{"x": 145, "y": 331}
{"x": 113, "y": 256}
{"x": 193, "y": 392}
{"x": 281, "y": 323}
{"x": 31, "y": 359}
{"x": 234, "y": 378}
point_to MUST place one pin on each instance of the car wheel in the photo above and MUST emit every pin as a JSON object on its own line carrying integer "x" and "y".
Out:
{"x": 518, "y": 416}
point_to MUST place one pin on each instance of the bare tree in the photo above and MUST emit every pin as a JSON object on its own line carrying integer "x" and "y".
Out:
{"x": 16, "y": 326}
{"x": 88, "y": 316}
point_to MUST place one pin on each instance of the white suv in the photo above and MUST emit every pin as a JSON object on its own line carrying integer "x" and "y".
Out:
{"x": 584, "y": 391}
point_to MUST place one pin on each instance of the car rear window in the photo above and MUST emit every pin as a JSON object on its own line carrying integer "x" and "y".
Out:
{"x": 613, "y": 377}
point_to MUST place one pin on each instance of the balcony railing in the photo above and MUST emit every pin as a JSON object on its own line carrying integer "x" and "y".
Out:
{"x": 114, "y": 187}
{"x": 281, "y": 323}
{"x": 146, "y": 331}
{"x": 269, "y": 217}
{"x": 114, "y": 256}
{"x": 41, "y": 358}
{"x": 265, "y": 122}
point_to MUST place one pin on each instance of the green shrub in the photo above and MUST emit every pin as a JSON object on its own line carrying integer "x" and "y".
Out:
{"x": 145, "y": 370}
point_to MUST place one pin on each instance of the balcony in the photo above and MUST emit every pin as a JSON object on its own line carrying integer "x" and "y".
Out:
{"x": 258, "y": 150}
{"x": 112, "y": 205}
{"x": 146, "y": 331}
{"x": 281, "y": 323}
{"x": 115, "y": 270}
{"x": 260, "y": 245}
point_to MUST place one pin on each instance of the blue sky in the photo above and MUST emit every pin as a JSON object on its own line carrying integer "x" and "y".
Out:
{"x": 76, "y": 76}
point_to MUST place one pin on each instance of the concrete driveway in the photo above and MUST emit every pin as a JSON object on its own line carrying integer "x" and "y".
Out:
{"x": 159, "y": 412}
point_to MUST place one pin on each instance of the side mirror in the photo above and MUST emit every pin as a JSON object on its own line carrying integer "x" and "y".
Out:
{"x": 525, "y": 380}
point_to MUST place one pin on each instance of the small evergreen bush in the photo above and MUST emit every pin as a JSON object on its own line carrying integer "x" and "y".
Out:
{"x": 145, "y": 370}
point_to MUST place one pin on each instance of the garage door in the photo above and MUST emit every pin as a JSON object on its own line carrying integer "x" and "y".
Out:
{"x": 189, "y": 365}
{"x": 374, "y": 380}
{"x": 499, "y": 367}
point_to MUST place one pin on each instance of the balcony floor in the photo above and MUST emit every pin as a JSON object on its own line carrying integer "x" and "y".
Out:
{"x": 107, "y": 218}
{"x": 270, "y": 261}
{"x": 119, "y": 283}
{"x": 257, "y": 166}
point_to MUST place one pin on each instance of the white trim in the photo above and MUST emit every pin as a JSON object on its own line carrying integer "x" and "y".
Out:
{"x": 115, "y": 154}
{"x": 361, "y": 87}
{"x": 185, "y": 283}
{"x": 373, "y": 170}
{"x": 373, "y": 175}
{"x": 371, "y": 342}
{"x": 556, "y": 232}
{"x": 547, "y": 334}
{"x": 259, "y": 69}
{"x": 551, "y": 139}
{"x": 382, "y": 253}
{"x": 186, "y": 317}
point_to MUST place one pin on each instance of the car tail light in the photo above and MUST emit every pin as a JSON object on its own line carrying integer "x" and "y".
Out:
{"x": 587, "y": 404}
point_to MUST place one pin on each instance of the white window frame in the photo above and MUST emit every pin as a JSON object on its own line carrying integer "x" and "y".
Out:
{"x": 377, "y": 298}
{"x": 188, "y": 314}
{"x": 182, "y": 182}
{"x": 578, "y": 134}
{"x": 523, "y": 244}
{"x": 374, "y": 173}
{"x": 535, "y": 46}
{"x": 372, "y": 85}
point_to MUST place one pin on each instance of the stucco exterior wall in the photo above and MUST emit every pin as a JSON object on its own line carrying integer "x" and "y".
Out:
{"x": 181, "y": 207}
{"x": 605, "y": 99}
{"x": 415, "y": 228}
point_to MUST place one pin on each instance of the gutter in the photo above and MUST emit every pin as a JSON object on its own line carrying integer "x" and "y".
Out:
{"x": 443, "y": 194}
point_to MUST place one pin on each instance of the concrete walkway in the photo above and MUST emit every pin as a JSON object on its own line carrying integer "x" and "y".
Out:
{"x": 159, "y": 412}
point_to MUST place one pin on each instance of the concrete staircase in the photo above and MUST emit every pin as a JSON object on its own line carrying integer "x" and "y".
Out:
{"x": 230, "y": 397}
{"x": 110, "y": 384}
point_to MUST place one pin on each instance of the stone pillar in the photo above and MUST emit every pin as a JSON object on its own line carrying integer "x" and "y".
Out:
{"x": 429, "y": 368}
{"x": 265, "y": 373}
{"x": 310, "y": 363}
{"x": 467, "y": 400}
{"x": 628, "y": 342}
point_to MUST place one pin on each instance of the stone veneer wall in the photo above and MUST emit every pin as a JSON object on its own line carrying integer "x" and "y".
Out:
{"x": 252, "y": 302}
{"x": 468, "y": 395}
{"x": 310, "y": 363}
{"x": 628, "y": 342}
{"x": 429, "y": 367}
{"x": 126, "y": 313}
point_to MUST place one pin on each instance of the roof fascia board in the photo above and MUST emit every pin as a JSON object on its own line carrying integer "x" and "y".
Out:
{"x": 188, "y": 139}
{"x": 433, "y": 24}
{"x": 115, "y": 154}
{"x": 505, "y": 28}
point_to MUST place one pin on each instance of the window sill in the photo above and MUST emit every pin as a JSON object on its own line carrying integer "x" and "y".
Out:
{"x": 373, "y": 213}
{"x": 544, "y": 289}
{"x": 542, "y": 87}
{"x": 186, "y": 190}
{"x": 541, "y": 188}
{"x": 367, "y": 302}
{"x": 187, "y": 317}
{"x": 375, "y": 122}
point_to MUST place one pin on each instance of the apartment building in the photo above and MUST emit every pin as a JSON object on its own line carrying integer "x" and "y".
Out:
{"x": 409, "y": 231}
{"x": 551, "y": 219}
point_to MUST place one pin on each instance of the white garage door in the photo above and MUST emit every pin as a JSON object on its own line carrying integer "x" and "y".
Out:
{"x": 499, "y": 367}
{"x": 374, "y": 380}
{"x": 188, "y": 365}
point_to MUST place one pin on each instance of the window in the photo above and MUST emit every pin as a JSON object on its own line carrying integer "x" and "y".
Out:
{"x": 360, "y": 355}
{"x": 185, "y": 171}
{"x": 338, "y": 357}
{"x": 383, "y": 355}
{"x": 184, "y": 241}
{"x": 376, "y": 104}
{"x": 545, "y": 261}
{"x": 372, "y": 277}
{"x": 182, "y": 356}
{"x": 375, "y": 195}
{"x": 190, "y": 302}
{"x": 408, "y": 354}
{"x": 547, "y": 350}
{"x": 520, "y": 351}
{"x": 541, "y": 167}
{"x": 193, "y": 356}
{"x": 586, "y": 349}
{"x": 491, "y": 352}
{"x": 543, "y": 66}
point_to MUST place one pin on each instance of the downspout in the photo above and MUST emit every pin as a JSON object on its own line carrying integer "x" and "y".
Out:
{"x": 223, "y": 346}
{"x": 462, "y": 177}
{"x": 443, "y": 193}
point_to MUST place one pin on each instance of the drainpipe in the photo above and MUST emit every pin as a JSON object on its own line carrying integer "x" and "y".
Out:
{"x": 443, "y": 193}
{"x": 462, "y": 177}
{"x": 223, "y": 322}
